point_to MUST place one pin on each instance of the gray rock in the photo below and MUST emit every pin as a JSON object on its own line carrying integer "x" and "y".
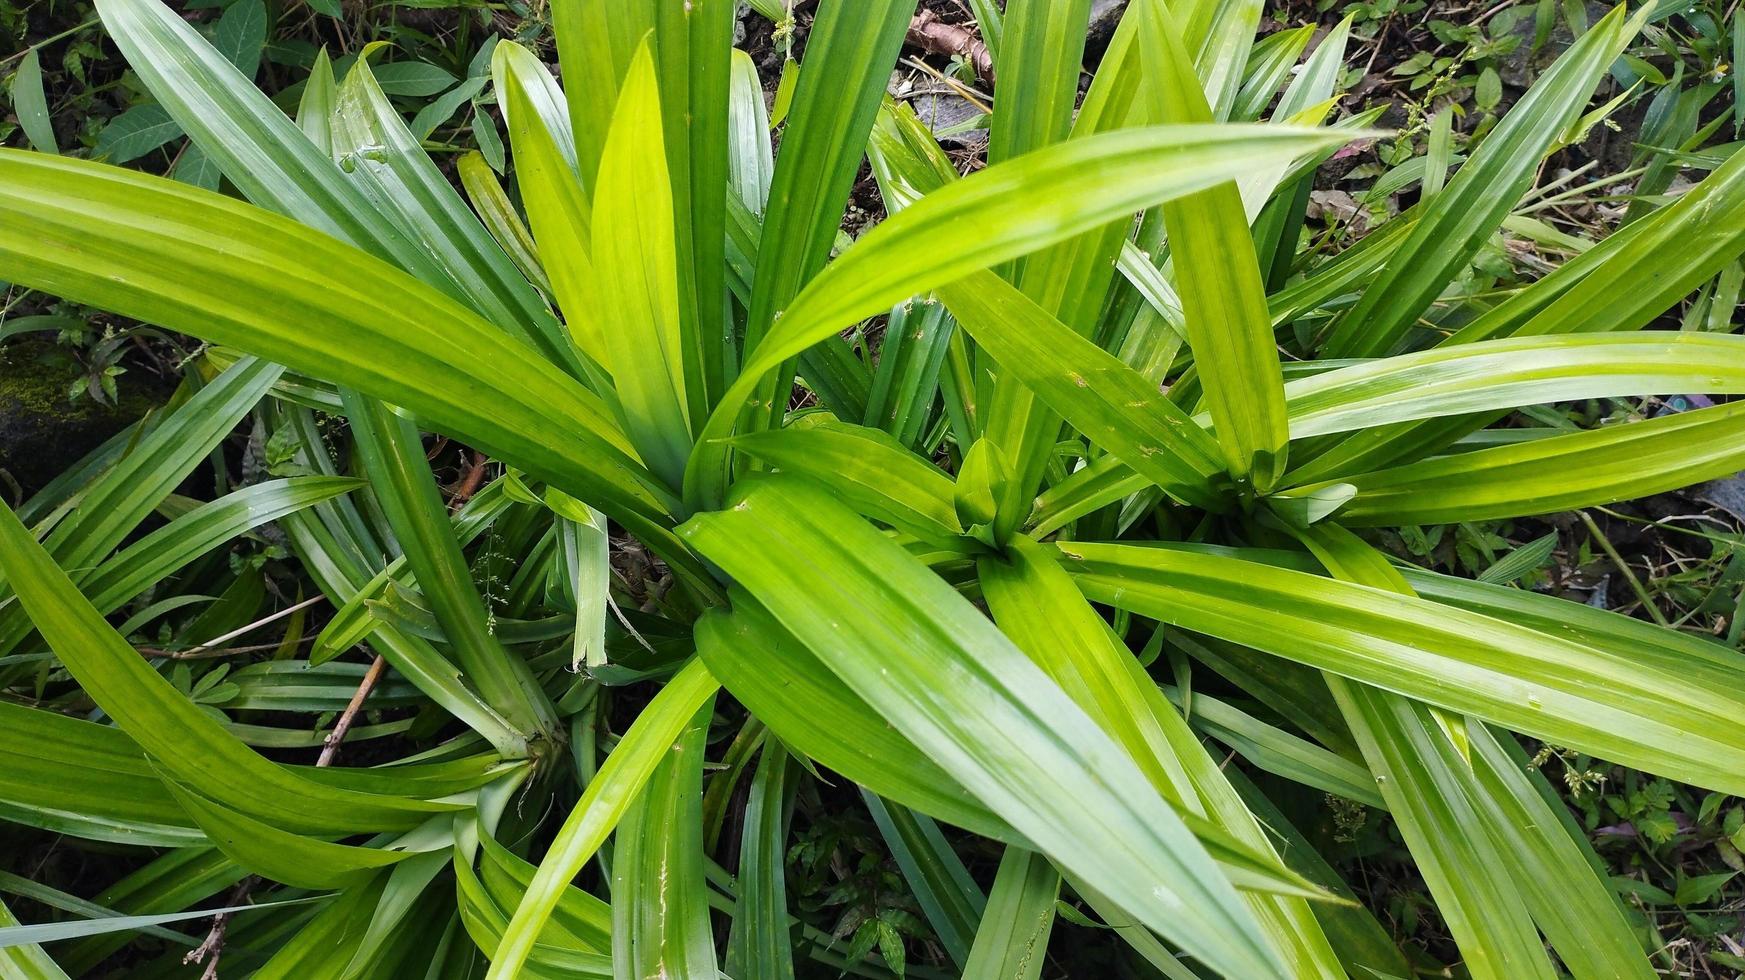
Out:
{"x": 945, "y": 112}
{"x": 1105, "y": 17}
{"x": 1727, "y": 494}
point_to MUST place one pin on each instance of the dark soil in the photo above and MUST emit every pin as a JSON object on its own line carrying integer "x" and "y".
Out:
{"x": 43, "y": 430}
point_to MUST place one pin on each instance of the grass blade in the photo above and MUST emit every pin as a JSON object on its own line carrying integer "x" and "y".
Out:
{"x": 618, "y": 784}
{"x": 1012, "y": 941}
{"x": 660, "y": 908}
{"x": 760, "y": 946}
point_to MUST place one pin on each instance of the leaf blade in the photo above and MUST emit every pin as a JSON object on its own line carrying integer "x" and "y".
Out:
{"x": 934, "y": 619}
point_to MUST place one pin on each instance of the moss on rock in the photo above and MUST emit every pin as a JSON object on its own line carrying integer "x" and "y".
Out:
{"x": 42, "y": 430}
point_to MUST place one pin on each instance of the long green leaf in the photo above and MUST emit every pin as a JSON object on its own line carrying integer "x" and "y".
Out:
{"x": 949, "y": 898}
{"x": 785, "y": 685}
{"x": 1012, "y": 941}
{"x": 608, "y": 795}
{"x": 1445, "y": 385}
{"x": 299, "y": 861}
{"x": 1621, "y": 284}
{"x": 279, "y": 168}
{"x": 1281, "y": 753}
{"x": 1218, "y": 275}
{"x": 1659, "y": 714}
{"x": 1518, "y": 371}
{"x": 660, "y": 909}
{"x": 1039, "y": 65}
{"x": 178, "y": 734}
{"x": 558, "y": 207}
{"x": 849, "y": 52}
{"x": 1069, "y": 279}
{"x": 638, "y": 279}
{"x": 1636, "y": 273}
{"x": 1564, "y": 472}
{"x": 701, "y": 188}
{"x": 751, "y": 161}
{"x": 386, "y": 161}
{"x": 994, "y": 215}
{"x": 690, "y": 43}
{"x": 579, "y": 921}
{"x": 876, "y": 476}
{"x": 355, "y": 321}
{"x": 324, "y": 944}
{"x": 14, "y": 936}
{"x": 113, "y": 505}
{"x": 1459, "y": 218}
{"x": 891, "y": 644}
{"x": 339, "y": 557}
{"x": 906, "y": 382}
{"x": 1036, "y": 604}
{"x": 760, "y": 946}
{"x": 84, "y": 779}
{"x": 1427, "y": 780}
{"x": 498, "y": 214}
{"x": 393, "y": 456}
{"x": 1572, "y": 903}
{"x": 160, "y": 553}
{"x": 1420, "y": 772}
{"x": 1360, "y": 940}
{"x": 1113, "y": 405}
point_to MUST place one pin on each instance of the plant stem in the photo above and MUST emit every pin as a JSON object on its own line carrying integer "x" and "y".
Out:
{"x": 1618, "y": 560}
{"x": 45, "y": 42}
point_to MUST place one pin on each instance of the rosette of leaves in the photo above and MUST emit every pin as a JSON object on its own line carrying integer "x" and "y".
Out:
{"x": 1074, "y": 450}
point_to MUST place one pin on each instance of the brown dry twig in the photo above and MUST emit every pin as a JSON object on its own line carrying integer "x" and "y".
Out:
{"x": 213, "y": 945}
{"x": 470, "y": 481}
{"x": 930, "y": 34}
{"x": 211, "y": 648}
{"x": 330, "y": 746}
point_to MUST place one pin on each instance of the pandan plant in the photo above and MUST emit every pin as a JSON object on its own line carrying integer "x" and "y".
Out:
{"x": 1119, "y": 430}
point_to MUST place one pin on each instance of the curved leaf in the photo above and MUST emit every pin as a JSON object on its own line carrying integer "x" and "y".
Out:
{"x": 1653, "y": 714}
{"x": 997, "y": 214}
{"x": 1563, "y": 472}
{"x": 609, "y": 794}
{"x": 301, "y": 862}
{"x": 263, "y": 283}
{"x": 166, "y": 724}
{"x": 938, "y": 670}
